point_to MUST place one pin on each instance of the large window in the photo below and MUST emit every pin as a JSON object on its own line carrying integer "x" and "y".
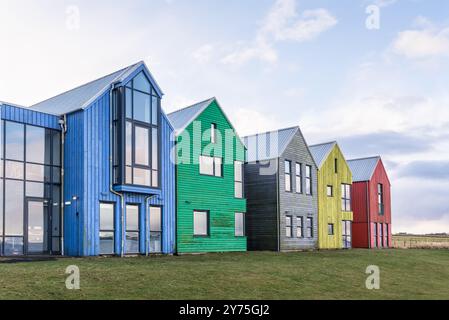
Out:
{"x": 289, "y": 226}
{"x": 211, "y": 166}
{"x": 201, "y": 223}
{"x": 310, "y": 228}
{"x": 346, "y": 197}
{"x": 298, "y": 172}
{"x": 239, "y": 224}
{"x": 309, "y": 180}
{"x": 380, "y": 199}
{"x": 30, "y": 168}
{"x": 155, "y": 229}
{"x": 132, "y": 229}
{"x": 136, "y": 134}
{"x": 107, "y": 228}
{"x": 288, "y": 175}
{"x": 238, "y": 174}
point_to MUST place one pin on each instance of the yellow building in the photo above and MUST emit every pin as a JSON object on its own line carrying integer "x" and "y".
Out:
{"x": 334, "y": 197}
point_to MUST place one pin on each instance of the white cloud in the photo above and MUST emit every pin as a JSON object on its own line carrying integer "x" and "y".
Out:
{"x": 420, "y": 44}
{"x": 282, "y": 23}
{"x": 250, "y": 121}
{"x": 203, "y": 54}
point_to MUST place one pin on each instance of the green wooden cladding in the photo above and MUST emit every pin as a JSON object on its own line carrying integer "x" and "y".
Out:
{"x": 330, "y": 208}
{"x": 205, "y": 193}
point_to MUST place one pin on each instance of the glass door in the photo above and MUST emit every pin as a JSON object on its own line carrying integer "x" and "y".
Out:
{"x": 37, "y": 226}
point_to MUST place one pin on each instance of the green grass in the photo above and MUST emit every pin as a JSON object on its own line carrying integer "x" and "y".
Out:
{"x": 405, "y": 274}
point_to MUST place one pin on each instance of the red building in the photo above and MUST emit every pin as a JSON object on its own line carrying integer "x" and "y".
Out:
{"x": 371, "y": 203}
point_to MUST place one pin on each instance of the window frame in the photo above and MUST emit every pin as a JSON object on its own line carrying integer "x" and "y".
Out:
{"x": 380, "y": 199}
{"x": 309, "y": 184}
{"x": 106, "y": 230}
{"x": 207, "y": 212}
{"x": 331, "y": 188}
{"x": 136, "y": 205}
{"x": 346, "y": 197}
{"x": 298, "y": 178}
{"x": 161, "y": 231}
{"x": 243, "y": 215}
{"x": 120, "y": 118}
{"x": 214, "y": 167}
{"x": 289, "y": 226}
{"x": 300, "y": 226}
{"x": 239, "y": 182}
{"x": 288, "y": 176}
{"x": 330, "y": 229}
{"x": 309, "y": 228}
{"x": 213, "y": 133}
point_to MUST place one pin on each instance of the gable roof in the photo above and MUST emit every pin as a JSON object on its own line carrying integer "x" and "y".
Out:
{"x": 82, "y": 96}
{"x": 182, "y": 118}
{"x": 258, "y": 144}
{"x": 321, "y": 151}
{"x": 363, "y": 169}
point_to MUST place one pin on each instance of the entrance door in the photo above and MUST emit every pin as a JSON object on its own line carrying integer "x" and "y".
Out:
{"x": 37, "y": 227}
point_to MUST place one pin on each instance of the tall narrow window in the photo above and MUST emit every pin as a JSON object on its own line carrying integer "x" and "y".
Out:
{"x": 336, "y": 165}
{"x": 308, "y": 180}
{"x": 387, "y": 235}
{"x": 288, "y": 176}
{"x": 238, "y": 174}
{"x": 213, "y": 133}
{"x": 310, "y": 228}
{"x": 239, "y": 224}
{"x": 201, "y": 223}
{"x": 299, "y": 227}
{"x": 330, "y": 229}
{"x": 132, "y": 229}
{"x": 155, "y": 229}
{"x": 346, "y": 197}
{"x": 288, "y": 226}
{"x": 380, "y": 199}
{"x": 107, "y": 228}
{"x": 381, "y": 235}
{"x": 347, "y": 234}
{"x": 298, "y": 172}
{"x": 330, "y": 191}
{"x": 136, "y": 112}
{"x": 376, "y": 238}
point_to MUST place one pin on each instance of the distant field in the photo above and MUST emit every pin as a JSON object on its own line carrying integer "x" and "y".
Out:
{"x": 404, "y": 274}
{"x": 420, "y": 242}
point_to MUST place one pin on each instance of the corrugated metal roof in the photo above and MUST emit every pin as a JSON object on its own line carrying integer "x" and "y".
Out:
{"x": 321, "y": 151}
{"x": 363, "y": 169}
{"x": 260, "y": 146}
{"x": 82, "y": 96}
{"x": 182, "y": 118}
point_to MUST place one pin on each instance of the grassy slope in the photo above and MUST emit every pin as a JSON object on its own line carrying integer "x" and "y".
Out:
{"x": 406, "y": 274}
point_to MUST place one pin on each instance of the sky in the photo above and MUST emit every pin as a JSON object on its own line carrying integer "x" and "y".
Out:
{"x": 371, "y": 74}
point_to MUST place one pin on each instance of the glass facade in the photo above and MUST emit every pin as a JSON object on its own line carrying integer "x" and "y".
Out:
{"x": 30, "y": 178}
{"x": 136, "y": 134}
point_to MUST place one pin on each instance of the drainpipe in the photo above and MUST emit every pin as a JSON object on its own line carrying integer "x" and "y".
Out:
{"x": 111, "y": 175}
{"x": 368, "y": 215}
{"x": 147, "y": 231}
{"x": 63, "y": 125}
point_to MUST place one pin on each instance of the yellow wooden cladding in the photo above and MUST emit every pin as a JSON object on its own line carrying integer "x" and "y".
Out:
{"x": 330, "y": 207}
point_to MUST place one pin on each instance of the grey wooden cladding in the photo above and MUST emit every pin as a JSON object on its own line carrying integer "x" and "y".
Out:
{"x": 268, "y": 203}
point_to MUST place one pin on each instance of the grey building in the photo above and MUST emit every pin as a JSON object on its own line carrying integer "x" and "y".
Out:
{"x": 281, "y": 192}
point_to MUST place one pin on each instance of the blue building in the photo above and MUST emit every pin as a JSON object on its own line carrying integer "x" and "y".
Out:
{"x": 89, "y": 172}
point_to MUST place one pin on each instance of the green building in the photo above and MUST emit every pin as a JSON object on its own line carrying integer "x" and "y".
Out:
{"x": 210, "y": 157}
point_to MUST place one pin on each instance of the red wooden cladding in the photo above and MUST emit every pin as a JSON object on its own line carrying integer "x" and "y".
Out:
{"x": 366, "y": 211}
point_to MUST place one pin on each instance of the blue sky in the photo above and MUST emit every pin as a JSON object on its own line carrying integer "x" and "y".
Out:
{"x": 271, "y": 64}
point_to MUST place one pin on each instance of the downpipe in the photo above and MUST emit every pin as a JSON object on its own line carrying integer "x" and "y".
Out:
{"x": 111, "y": 174}
{"x": 63, "y": 125}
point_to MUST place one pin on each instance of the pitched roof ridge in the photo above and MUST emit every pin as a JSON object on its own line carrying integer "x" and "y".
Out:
{"x": 191, "y": 106}
{"x": 278, "y": 130}
{"x": 365, "y": 158}
{"x": 322, "y": 144}
{"x": 121, "y": 71}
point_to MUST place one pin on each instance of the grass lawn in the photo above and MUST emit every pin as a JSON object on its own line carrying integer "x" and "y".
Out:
{"x": 405, "y": 274}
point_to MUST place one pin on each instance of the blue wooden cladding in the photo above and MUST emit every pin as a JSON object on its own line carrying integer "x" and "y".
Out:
{"x": 85, "y": 116}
